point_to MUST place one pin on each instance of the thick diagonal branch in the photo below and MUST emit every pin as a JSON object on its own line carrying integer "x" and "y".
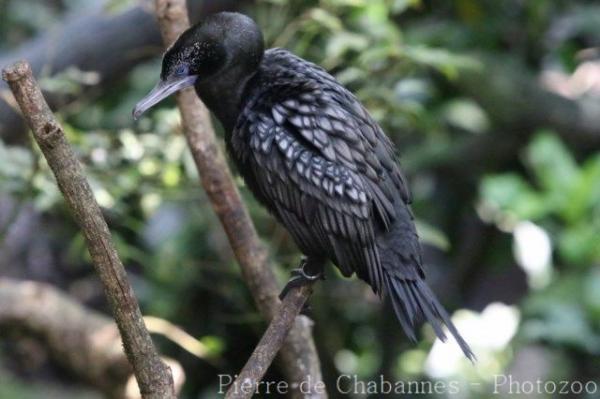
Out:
{"x": 153, "y": 376}
{"x": 298, "y": 355}
{"x": 82, "y": 340}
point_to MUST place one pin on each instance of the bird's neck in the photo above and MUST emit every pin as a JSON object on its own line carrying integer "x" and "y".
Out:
{"x": 223, "y": 95}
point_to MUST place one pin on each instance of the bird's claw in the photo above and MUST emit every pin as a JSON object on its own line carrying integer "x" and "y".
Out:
{"x": 299, "y": 278}
{"x": 302, "y": 274}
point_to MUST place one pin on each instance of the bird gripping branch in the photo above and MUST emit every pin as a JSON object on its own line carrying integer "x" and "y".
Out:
{"x": 313, "y": 156}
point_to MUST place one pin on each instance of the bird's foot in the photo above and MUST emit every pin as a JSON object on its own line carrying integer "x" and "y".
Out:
{"x": 300, "y": 277}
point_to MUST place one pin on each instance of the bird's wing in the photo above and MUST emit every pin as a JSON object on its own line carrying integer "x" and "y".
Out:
{"x": 329, "y": 171}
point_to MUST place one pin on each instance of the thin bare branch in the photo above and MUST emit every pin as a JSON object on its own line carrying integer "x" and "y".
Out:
{"x": 153, "y": 376}
{"x": 255, "y": 368}
{"x": 84, "y": 341}
{"x": 300, "y": 361}
{"x": 92, "y": 350}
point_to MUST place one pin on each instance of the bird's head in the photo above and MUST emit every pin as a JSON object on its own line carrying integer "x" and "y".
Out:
{"x": 222, "y": 42}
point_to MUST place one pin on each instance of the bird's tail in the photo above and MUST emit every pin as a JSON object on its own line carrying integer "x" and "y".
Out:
{"x": 414, "y": 302}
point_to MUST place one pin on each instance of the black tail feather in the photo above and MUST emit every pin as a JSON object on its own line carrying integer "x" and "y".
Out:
{"x": 404, "y": 312}
{"x": 414, "y": 302}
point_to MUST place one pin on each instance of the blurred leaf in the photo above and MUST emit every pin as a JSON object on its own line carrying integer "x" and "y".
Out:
{"x": 326, "y": 19}
{"x": 399, "y": 6}
{"x": 343, "y": 42}
{"x": 413, "y": 90}
{"x": 119, "y": 6}
{"x": 69, "y": 81}
{"x": 510, "y": 193}
{"x": 562, "y": 323}
{"x": 466, "y": 115}
{"x": 584, "y": 195}
{"x": 432, "y": 235}
{"x": 579, "y": 244}
{"x": 443, "y": 60}
{"x": 16, "y": 164}
{"x": 214, "y": 344}
{"x": 591, "y": 293}
{"x": 553, "y": 165}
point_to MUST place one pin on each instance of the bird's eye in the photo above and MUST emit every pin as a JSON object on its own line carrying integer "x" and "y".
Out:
{"x": 181, "y": 70}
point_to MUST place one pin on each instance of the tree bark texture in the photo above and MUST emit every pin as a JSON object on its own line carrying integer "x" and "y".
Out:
{"x": 299, "y": 358}
{"x": 153, "y": 376}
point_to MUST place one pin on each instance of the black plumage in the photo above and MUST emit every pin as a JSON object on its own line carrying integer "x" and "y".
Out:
{"x": 313, "y": 156}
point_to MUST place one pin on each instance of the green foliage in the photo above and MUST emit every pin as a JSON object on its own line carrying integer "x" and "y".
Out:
{"x": 562, "y": 196}
{"x": 16, "y": 165}
{"x": 357, "y": 39}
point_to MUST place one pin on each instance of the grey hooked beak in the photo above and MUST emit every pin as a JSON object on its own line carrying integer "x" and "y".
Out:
{"x": 162, "y": 90}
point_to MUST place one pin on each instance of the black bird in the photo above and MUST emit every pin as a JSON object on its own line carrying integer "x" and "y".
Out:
{"x": 313, "y": 156}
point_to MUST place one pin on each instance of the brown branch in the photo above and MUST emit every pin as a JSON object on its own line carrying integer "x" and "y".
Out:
{"x": 83, "y": 341}
{"x": 255, "y": 368}
{"x": 153, "y": 376}
{"x": 298, "y": 355}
